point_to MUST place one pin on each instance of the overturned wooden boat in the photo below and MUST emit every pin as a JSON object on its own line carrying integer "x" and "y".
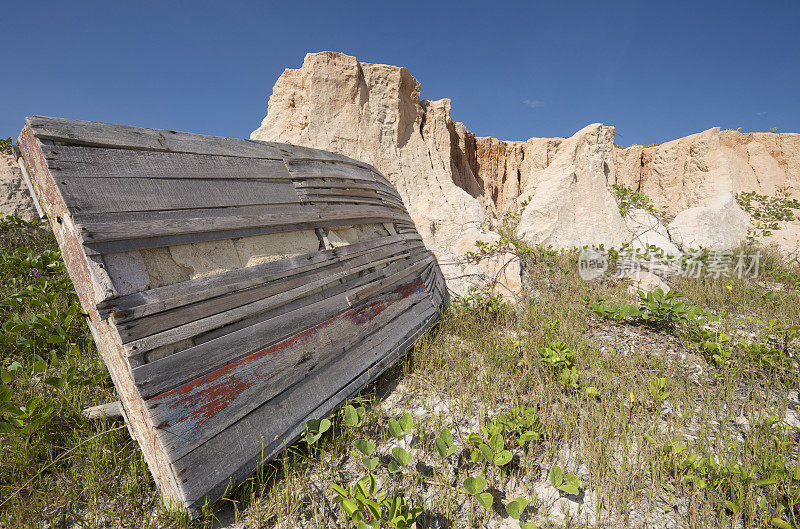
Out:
{"x": 235, "y": 288}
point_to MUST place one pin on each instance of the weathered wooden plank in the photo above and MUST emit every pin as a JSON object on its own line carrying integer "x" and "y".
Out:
{"x": 190, "y": 363}
{"x": 336, "y": 184}
{"x": 257, "y": 437}
{"x": 97, "y": 162}
{"x": 371, "y": 290}
{"x": 287, "y": 288}
{"x": 280, "y": 295}
{"x": 216, "y": 220}
{"x": 110, "y": 410}
{"x": 335, "y": 192}
{"x": 323, "y": 199}
{"x": 140, "y": 304}
{"x": 105, "y": 335}
{"x": 103, "y": 195}
{"x": 328, "y": 292}
{"x": 230, "y": 392}
{"x": 96, "y": 134}
{"x": 317, "y": 169}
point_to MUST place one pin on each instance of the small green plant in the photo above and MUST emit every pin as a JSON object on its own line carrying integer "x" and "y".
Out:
{"x": 314, "y": 430}
{"x": 656, "y": 309}
{"x": 484, "y": 305}
{"x": 560, "y": 359}
{"x": 5, "y": 146}
{"x": 658, "y": 389}
{"x": 444, "y": 443}
{"x": 628, "y": 199}
{"x": 716, "y": 346}
{"x": 569, "y": 483}
{"x": 353, "y": 417}
{"x": 476, "y": 487}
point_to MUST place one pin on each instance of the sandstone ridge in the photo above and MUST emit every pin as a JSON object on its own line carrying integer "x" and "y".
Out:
{"x": 456, "y": 184}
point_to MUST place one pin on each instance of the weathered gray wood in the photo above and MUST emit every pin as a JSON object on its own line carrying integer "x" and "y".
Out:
{"x": 272, "y": 346}
{"x": 236, "y": 389}
{"x": 371, "y": 290}
{"x": 140, "y": 304}
{"x": 317, "y": 169}
{"x": 111, "y": 410}
{"x": 220, "y": 317}
{"x": 97, "y": 162}
{"x": 217, "y": 220}
{"x": 378, "y": 187}
{"x": 188, "y": 364}
{"x": 265, "y": 431}
{"x": 328, "y": 292}
{"x": 335, "y": 192}
{"x": 103, "y": 195}
{"x": 279, "y": 291}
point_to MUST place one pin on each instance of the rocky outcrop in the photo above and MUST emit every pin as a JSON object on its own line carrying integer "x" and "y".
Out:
{"x": 456, "y": 184}
{"x": 373, "y": 113}
{"x": 14, "y": 196}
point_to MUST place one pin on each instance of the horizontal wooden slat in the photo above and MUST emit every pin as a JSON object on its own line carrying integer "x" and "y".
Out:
{"x": 335, "y": 184}
{"x": 96, "y": 134}
{"x": 96, "y": 162}
{"x": 298, "y": 217}
{"x": 297, "y": 284}
{"x": 233, "y": 453}
{"x": 156, "y": 300}
{"x": 232, "y": 391}
{"x": 103, "y": 195}
{"x": 319, "y": 169}
{"x": 175, "y": 369}
{"x": 371, "y": 290}
{"x": 223, "y": 311}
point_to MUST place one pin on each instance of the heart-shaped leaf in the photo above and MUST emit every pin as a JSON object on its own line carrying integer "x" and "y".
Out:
{"x": 516, "y": 507}
{"x": 556, "y": 476}
{"x": 406, "y": 423}
{"x": 393, "y": 467}
{"x": 395, "y": 429}
{"x": 324, "y": 425}
{"x": 496, "y": 442}
{"x": 446, "y": 436}
{"x": 365, "y": 447}
{"x": 401, "y": 456}
{"x": 350, "y": 417}
{"x": 502, "y": 458}
{"x": 486, "y": 452}
{"x": 485, "y": 499}
{"x": 441, "y": 447}
{"x": 474, "y": 484}
{"x": 370, "y": 462}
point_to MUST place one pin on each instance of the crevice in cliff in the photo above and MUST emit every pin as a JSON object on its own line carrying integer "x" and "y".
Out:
{"x": 641, "y": 173}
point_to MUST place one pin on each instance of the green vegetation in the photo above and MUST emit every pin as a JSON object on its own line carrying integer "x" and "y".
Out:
{"x": 578, "y": 405}
{"x": 768, "y": 212}
{"x": 5, "y": 146}
{"x": 628, "y": 199}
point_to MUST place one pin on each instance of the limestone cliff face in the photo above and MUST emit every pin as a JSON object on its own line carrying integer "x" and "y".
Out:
{"x": 454, "y": 182}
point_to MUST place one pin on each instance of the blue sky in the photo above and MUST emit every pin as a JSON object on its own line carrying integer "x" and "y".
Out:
{"x": 655, "y": 70}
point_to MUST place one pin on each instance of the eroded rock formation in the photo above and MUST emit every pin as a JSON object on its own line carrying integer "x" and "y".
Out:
{"x": 456, "y": 185}
{"x": 14, "y": 196}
